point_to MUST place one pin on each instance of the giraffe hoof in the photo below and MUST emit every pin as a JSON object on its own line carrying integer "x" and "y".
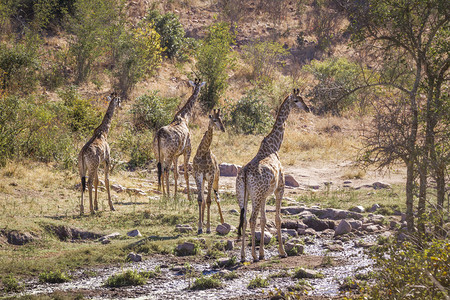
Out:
{"x": 243, "y": 260}
{"x": 283, "y": 255}
{"x": 255, "y": 260}
{"x": 261, "y": 257}
{"x": 200, "y": 231}
{"x": 208, "y": 231}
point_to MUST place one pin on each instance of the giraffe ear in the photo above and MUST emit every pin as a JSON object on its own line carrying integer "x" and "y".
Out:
{"x": 202, "y": 84}
{"x": 210, "y": 116}
{"x": 191, "y": 83}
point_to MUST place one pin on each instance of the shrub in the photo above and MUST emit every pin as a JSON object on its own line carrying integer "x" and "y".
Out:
{"x": 127, "y": 278}
{"x": 258, "y": 282}
{"x": 302, "y": 273}
{"x": 137, "y": 145}
{"x": 250, "y": 115}
{"x": 170, "y": 29}
{"x": 213, "y": 60}
{"x": 10, "y": 284}
{"x": 204, "y": 283}
{"x": 53, "y": 277}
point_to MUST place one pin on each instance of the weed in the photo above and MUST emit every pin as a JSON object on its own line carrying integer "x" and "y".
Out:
{"x": 302, "y": 273}
{"x": 127, "y": 278}
{"x": 281, "y": 274}
{"x": 258, "y": 282}
{"x": 227, "y": 276}
{"x": 204, "y": 283}
{"x": 53, "y": 277}
{"x": 10, "y": 284}
{"x": 151, "y": 274}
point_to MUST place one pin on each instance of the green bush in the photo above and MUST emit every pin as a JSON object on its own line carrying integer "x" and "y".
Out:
{"x": 53, "y": 277}
{"x": 10, "y": 284}
{"x": 137, "y": 146}
{"x": 170, "y": 29}
{"x": 258, "y": 282}
{"x": 127, "y": 278}
{"x": 250, "y": 115}
{"x": 204, "y": 283}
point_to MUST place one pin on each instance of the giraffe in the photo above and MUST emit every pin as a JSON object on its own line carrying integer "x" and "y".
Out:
{"x": 93, "y": 153}
{"x": 206, "y": 168}
{"x": 173, "y": 140}
{"x": 262, "y": 176}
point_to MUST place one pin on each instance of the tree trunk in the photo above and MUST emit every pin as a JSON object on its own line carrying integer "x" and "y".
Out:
{"x": 423, "y": 176}
{"x": 410, "y": 195}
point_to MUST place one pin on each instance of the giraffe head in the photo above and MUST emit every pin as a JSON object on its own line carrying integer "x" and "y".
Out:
{"x": 215, "y": 119}
{"x": 297, "y": 100}
{"x": 114, "y": 96}
{"x": 197, "y": 84}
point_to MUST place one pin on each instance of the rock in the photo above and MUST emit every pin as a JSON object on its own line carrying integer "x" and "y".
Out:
{"x": 292, "y": 210}
{"x": 110, "y": 236}
{"x": 18, "y": 238}
{"x": 284, "y": 237}
{"x": 339, "y": 214}
{"x": 134, "y": 257}
{"x": 186, "y": 249}
{"x": 117, "y": 188}
{"x": 347, "y": 182}
{"x": 267, "y": 237}
{"x": 373, "y": 208}
{"x": 363, "y": 244}
{"x": 343, "y": 228}
{"x": 358, "y": 209}
{"x": 397, "y": 212}
{"x": 310, "y": 231}
{"x": 230, "y": 170}
{"x": 134, "y": 233}
{"x": 334, "y": 247}
{"x": 106, "y": 241}
{"x": 229, "y": 246}
{"x": 306, "y": 214}
{"x": 301, "y": 231}
{"x": 385, "y": 235}
{"x": 377, "y": 219}
{"x": 293, "y": 249}
{"x": 224, "y": 262}
{"x": 290, "y": 224}
{"x": 381, "y": 185}
{"x": 306, "y": 273}
{"x": 314, "y": 186}
{"x": 183, "y": 228}
{"x": 317, "y": 224}
{"x": 223, "y": 229}
{"x": 233, "y": 211}
{"x": 134, "y": 191}
{"x": 290, "y": 232}
{"x": 356, "y": 224}
{"x": 394, "y": 224}
{"x": 371, "y": 228}
{"x": 289, "y": 180}
{"x": 328, "y": 232}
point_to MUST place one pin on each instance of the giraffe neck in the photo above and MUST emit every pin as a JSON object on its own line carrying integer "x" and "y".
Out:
{"x": 106, "y": 123}
{"x": 205, "y": 144}
{"x": 185, "y": 111}
{"x": 272, "y": 142}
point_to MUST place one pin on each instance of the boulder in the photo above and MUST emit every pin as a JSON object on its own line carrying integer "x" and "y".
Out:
{"x": 290, "y": 232}
{"x": 343, "y": 228}
{"x": 229, "y": 246}
{"x": 292, "y": 210}
{"x": 267, "y": 237}
{"x": 229, "y": 170}
{"x": 373, "y": 208}
{"x": 134, "y": 233}
{"x": 19, "y": 238}
{"x": 310, "y": 231}
{"x": 358, "y": 209}
{"x": 117, "y": 188}
{"x": 290, "y": 224}
{"x": 381, "y": 185}
{"x": 110, "y": 236}
{"x": 356, "y": 224}
{"x": 317, "y": 224}
{"x": 292, "y": 248}
{"x": 134, "y": 257}
{"x": 334, "y": 247}
{"x": 185, "y": 249}
{"x": 183, "y": 228}
{"x": 289, "y": 180}
{"x": 223, "y": 229}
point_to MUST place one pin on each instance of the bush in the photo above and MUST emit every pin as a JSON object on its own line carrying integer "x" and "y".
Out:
{"x": 53, "y": 277}
{"x": 258, "y": 282}
{"x": 10, "y": 284}
{"x": 170, "y": 29}
{"x": 137, "y": 145}
{"x": 204, "y": 283}
{"x": 127, "y": 278}
{"x": 250, "y": 115}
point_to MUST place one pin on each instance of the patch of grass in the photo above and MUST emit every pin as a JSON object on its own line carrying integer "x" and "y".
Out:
{"x": 281, "y": 274}
{"x": 205, "y": 283}
{"x": 151, "y": 274}
{"x": 227, "y": 276}
{"x": 214, "y": 253}
{"x": 127, "y": 278}
{"x": 53, "y": 277}
{"x": 302, "y": 273}
{"x": 10, "y": 284}
{"x": 258, "y": 282}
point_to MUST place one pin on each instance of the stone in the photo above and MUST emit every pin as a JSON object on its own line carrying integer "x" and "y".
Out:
{"x": 394, "y": 224}
{"x": 339, "y": 214}
{"x": 183, "y": 228}
{"x": 347, "y": 182}
{"x": 284, "y": 237}
{"x": 328, "y": 232}
{"x": 223, "y": 229}
{"x": 233, "y": 211}
{"x": 374, "y": 208}
{"x": 289, "y": 224}
{"x": 223, "y": 262}
{"x": 317, "y": 224}
{"x": 334, "y": 247}
{"x": 18, "y": 238}
{"x": 294, "y": 248}
{"x": 267, "y": 237}
{"x": 358, "y": 209}
{"x": 117, "y": 188}
{"x": 134, "y": 233}
{"x": 110, "y": 236}
{"x": 306, "y": 214}
{"x": 310, "y": 231}
{"x": 343, "y": 228}
{"x": 134, "y": 191}
{"x": 229, "y": 246}
{"x": 290, "y": 232}
{"x": 371, "y": 228}
{"x": 106, "y": 241}
{"x": 363, "y": 244}
{"x": 381, "y": 185}
{"x": 289, "y": 180}
{"x": 186, "y": 249}
{"x": 306, "y": 273}
{"x": 301, "y": 231}
{"x": 230, "y": 170}
{"x": 356, "y": 224}
{"x": 134, "y": 257}
{"x": 292, "y": 210}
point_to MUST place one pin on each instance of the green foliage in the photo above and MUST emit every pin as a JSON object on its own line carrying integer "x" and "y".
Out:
{"x": 10, "y": 284}
{"x": 204, "y": 283}
{"x": 410, "y": 270}
{"x": 250, "y": 115}
{"x": 137, "y": 146}
{"x": 127, "y": 278}
{"x": 53, "y": 277}
{"x": 152, "y": 111}
{"x": 264, "y": 58}
{"x": 336, "y": 78}
{"x": 302, "y": 273}
{"x": 170, "y": 29}
{"x": 151, "y": 274}
{"x": 227, "y": 276}
{"x": 213, "y": 60}
{"x": 258, "y": 282}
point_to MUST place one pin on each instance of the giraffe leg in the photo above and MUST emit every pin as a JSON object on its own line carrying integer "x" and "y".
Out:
{"x": 244, "y": 234}
{"x": 90, "y": 181}
{"x": 96, "y": 190}
{"x": 199, "y": 182}
{"x": 208, "y": 204}
{"x": 83, "y": 187}
{"x": 278, "y": 197}
{"x": 166, "y": 174}
{"x": 175, "y": 174}
{"x": 216, "y": 194}
{"x": 107, "y": 185}
{"x": 263, "y": 226}
{"x": 253, "y": 218}
{"x": 186, "y": 156}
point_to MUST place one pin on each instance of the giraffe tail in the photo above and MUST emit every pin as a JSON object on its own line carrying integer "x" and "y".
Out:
{"x": 244, "y": 204}
{"x": 159, "y": 166}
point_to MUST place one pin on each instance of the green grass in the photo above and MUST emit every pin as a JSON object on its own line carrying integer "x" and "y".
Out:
{"x": 10, "y": 284}
{"x": 302, "y": 273}
{"x": 205, "y": 283}
{"x": 227, "y": 276}
{"x": 53, "y": 277}
{"x": 258, "y": 282}
{"x": 127, "y": 278}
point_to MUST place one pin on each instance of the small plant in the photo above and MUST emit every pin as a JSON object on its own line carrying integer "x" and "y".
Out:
{"x": 258, "y": 282}
{"x": 10, "y": 284}
{"x": 151, "y": 274}
{"x": 215, "y": 253}
{"x": 204, "y": 283}
{"x": 281, "y": 274}
{"x": 127, "y": 278}
{"x": 226, "y": 276}
{"x": 53, "y": 277}
{"x": 302, "y": 273}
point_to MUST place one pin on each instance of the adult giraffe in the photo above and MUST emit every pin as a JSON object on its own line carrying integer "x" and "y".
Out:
{"x": 173, "y": 140}
{"x": 262, "y": 176}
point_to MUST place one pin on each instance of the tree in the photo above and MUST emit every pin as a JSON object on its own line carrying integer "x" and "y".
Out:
{"x": 213, "y": 60}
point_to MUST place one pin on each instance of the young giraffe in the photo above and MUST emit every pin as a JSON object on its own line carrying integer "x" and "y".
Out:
{"x": 173, "y": 140}
{"x": 206, "y": 168}
{"x": 262, "y": 176}
{"x": 93, "y": 153}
